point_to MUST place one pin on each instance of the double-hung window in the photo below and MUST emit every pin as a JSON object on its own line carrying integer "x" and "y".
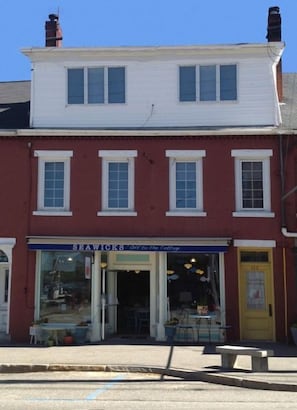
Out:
{"x": 208, "y": 83}
{"x": 252, "y": 183}
{"x": 53, "y": 192}
{"x": 185, "y": 183}
{"x": 96, "y": 85}
{"x": 117, "y": 182}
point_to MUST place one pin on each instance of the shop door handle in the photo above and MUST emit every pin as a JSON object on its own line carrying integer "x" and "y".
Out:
{"x": 270, "y": 309}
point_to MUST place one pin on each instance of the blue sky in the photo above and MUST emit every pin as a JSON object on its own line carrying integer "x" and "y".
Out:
{"x": 91, "y": 23}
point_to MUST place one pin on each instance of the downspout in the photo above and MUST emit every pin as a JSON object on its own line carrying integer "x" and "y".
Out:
{"x": 283, "y": 221}
{"x": 285, "y": 293}
{"x": 288, "y": 234}
{"x": 282, "y": 173}
{"x": 284, "y": 229}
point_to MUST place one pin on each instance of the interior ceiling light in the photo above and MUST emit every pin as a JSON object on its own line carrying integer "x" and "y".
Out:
{"x": 188, "y": 265}
{"x": 199, "y": 271}
{"x": 170, "y": 272}
{"x": 193, "y": 260}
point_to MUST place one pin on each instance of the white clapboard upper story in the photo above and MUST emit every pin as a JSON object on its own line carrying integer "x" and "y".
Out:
{"x": 155, "y": 87}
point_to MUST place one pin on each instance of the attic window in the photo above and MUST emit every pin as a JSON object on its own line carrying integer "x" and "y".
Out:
{"x": 96, "y": 85}
{"x": 208, "y": 83}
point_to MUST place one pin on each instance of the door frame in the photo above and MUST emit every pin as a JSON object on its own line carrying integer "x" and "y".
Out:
{"x": 118, "y": 261}
{"x": 4, "y": 286}
{"x": 269, "y": 265}
{"x": 116, "y": 288}
{"x": 7, "y": 245}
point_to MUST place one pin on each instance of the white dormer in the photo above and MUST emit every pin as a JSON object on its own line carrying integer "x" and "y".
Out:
{"x": 155, "y": 87}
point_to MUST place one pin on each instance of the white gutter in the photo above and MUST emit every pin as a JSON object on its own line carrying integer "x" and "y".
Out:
{"x": 142, "y": 132}
{"x": 273, "y": 49}
{"x": 289, "y": 234}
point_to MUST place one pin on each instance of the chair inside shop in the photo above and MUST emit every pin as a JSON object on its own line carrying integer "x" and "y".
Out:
{"x": 143, "y": 321}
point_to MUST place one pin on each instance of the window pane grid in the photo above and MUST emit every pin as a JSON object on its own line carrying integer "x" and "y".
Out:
{"x": 252, "y": 184}
{"x": 228, "y": 82}
{"x": 92, "y": 81}
{"x": 118, "y": 185}
{"x": 54, "y": 184}
{"x": 116, "y": 85}
{"x": 216, "y": 82}
{"x": 76, "y": 86}
{"x": 207, "y": 83}
{"x": 186, "y": 185}
{"x": 96, "y": 85}
{"x": 187, "y": 83}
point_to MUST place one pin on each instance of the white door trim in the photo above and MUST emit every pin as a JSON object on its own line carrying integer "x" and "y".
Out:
{"x": 7, "y": 245}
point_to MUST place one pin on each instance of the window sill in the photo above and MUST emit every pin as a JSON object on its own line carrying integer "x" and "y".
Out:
{"x": 116, "y": 213}
{"x": 52, "y": 213}
{"x": 255, "y": 214}
{"x": 186, "y": 213}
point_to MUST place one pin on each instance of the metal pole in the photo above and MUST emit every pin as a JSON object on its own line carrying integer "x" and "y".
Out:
{"x": 103, "y": 305}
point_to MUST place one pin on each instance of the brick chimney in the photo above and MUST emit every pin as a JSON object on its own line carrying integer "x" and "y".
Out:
{"x": 53, "y": 32}
{"x": 274, "y": 33}
{"x": 274, "y": 27}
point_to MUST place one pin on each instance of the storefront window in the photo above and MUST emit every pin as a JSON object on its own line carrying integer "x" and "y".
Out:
{"x": 65, "y": 287}
{"x": 193, "y": 280}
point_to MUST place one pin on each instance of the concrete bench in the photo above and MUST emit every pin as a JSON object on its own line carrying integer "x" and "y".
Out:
{"x": 259, "y": 356}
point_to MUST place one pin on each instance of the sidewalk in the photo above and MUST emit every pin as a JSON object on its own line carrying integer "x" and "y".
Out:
{"x": 192, "y": 362}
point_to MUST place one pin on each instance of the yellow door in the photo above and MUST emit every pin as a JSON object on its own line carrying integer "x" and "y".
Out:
{"x": 256, "y": 296}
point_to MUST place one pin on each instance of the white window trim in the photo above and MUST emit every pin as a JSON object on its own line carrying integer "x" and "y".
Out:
{"x": 241, "y": 243}
{"x": 250, "y": 155}
{"x": 118, "y": 155}
{"x": 43, "y": 157}
{"x": 185, "y": 155}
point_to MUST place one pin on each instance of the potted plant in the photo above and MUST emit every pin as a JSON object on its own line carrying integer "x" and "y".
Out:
{"x": 80, "y": 333}
{"x": 50, "y": 341}
{"x": 170, "y": 328}
{"x": 68, "y": 339}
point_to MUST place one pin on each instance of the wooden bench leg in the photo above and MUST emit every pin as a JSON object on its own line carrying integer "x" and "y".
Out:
{"x": 260, "y": 364}
{"x": 228, "y": 360}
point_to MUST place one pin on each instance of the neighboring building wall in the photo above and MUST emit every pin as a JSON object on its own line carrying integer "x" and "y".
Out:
{"x": 15, "y": 184}
{"x": 288, "y": 162}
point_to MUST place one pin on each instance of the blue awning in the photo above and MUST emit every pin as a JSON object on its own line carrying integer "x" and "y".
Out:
{"x": 169, "y": 245}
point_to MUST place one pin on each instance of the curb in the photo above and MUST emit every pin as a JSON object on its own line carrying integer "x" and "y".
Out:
{"x": 187, "y": 375}
{"x": 244, "y": 383}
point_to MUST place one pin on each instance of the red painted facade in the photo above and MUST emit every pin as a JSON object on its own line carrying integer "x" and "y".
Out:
{"x": 18, "y": 168}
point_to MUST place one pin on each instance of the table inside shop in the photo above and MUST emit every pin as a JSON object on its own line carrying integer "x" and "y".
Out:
{"x": 54, "y": 328}
{"x": 198, "y": 319}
